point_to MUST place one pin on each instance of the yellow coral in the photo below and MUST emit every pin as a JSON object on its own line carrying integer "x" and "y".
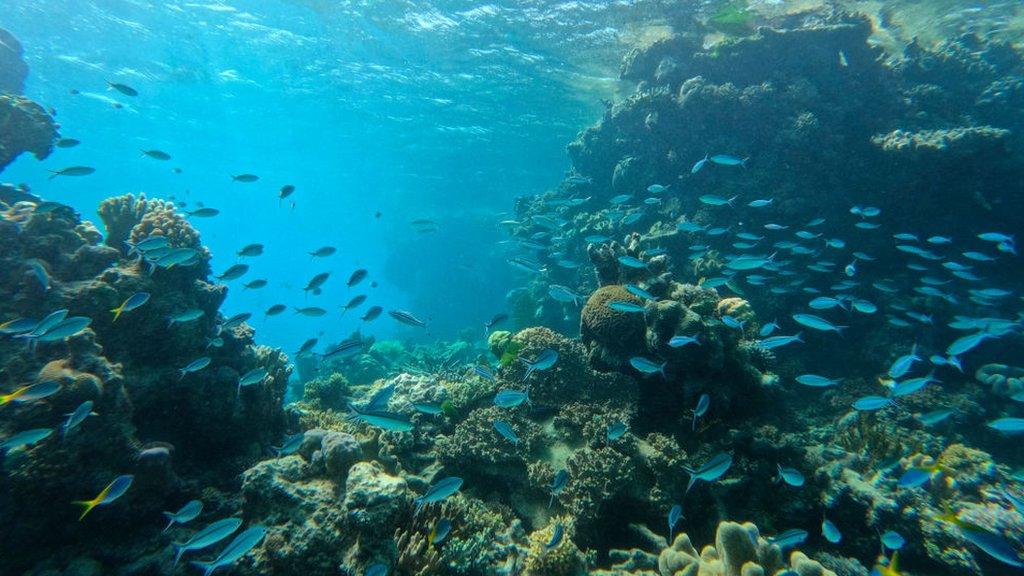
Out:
{"x": 563, "y": 559}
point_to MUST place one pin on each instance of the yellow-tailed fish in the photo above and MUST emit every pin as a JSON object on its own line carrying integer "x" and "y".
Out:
{"x": 112, "y": 492}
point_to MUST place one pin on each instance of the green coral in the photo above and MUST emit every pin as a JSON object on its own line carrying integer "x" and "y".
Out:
{"x": 331, "y": 392}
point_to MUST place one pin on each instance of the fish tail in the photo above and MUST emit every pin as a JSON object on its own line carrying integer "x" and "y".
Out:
{"x": 88, "y": 505}
{"x": 53, "y": 174}
{"x": 117, "y": 312}
{"x": 169, "y": 524}
{"x": 693, "y": 480}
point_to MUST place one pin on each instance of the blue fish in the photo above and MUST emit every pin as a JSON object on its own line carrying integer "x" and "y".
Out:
{"x": 647, "y": 366}
{"x": 505, "y": 429}
{"x": 870, "y": 403}
{"x": 830, "y": 531}
{"x": 768, "y": 329}
{"x": 712, "y": 470}
{"x": 680, "y": 341}
{"x": 631, "y": 262}
{"x": 703, "y": 403}
{"x": 1007, "y": 425}
{"x": 556, "y": 537}
{"x": 543, "y": 361}
{"x": 789, "y": 538}
{"x": 485, "y": 373}
{"x": 185, "y": 514}
{"x": 817, "y": 323}
{"x": 438, "y": 491}
{"x": 903, "y": 364}
{"x": 614, "y": 431}
{"x": 626, "y": 307}
{"x": 699, "y": 164}
{"x": 640, "y": 292}
{"x": 674, "y": 514}
{"x": 790, "y": 476}
{"x": 558, "y": 484}
{"x": 506, "y": 398}
{"x": 893, "y": 540}
{"x": 773, "y": 342}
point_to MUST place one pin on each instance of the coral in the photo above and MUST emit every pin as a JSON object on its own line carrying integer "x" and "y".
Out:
{"x": 739, "y": 550}
{"x": 958, "y": 142}
{"x": 13, "y": 69}
{"x": 619, "y": 332}
{"x": 1004, "y": 380}
{"x": 330, "y": 392}
{"x": 24, "y": 127}
{"x": 374, "y": 500}
{"x": 565, "y": 559}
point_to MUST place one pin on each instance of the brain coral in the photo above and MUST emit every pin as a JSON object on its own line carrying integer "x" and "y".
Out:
{"x": 619, "y": 332}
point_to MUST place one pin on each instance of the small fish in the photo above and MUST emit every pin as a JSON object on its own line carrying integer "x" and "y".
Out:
{"x": 439, "y": 491}
{"x": 543, "y": 361}
{"x": 870, "y": 403}
{"x": 407, "y": 318}
{"x": 1007, "y": 425}
{"x": 156, "y": 154}
{"x": 712, "y": 470}
{"x": 251, "y": 250}
{"x": 186, "y": 316}
{"x": 640, "y": 292}
{"x": 816, "y": 381}
{"x": 112, "y": 492}
{"x": 83, "y": 411}
{"x": 760, "y": 203}
{"x": 431, "y": 408}
{"x": 626, "y": 307}
{"x": 123, "y": 88}
{"x": 733, "y": 323}
{"x": 558, "y": 483}
{"x": 817, "y": 323}
{"x": 631, "y": 262}
{"x": 918, "y": 475}
{"x": 679, "y": 341}
{"x": 254, "y": 376}
{"x": 993, "y": 544}
{"x": 790, "y": 476}
{"x": 245, "y": 178}
{"x": 703, "y": 403}
{"x": 382, "y": 419}
{"x": 234, "y": 272}
{"x": 194, "y": 366}
{"x": 185, "y": 514}
{"x": 131, "y": 303}
{"x": 773, "y": 342}
{"x": 203, "y": 213}
{"x": 208, "y": 536}
{"x": 311, "y": 311}
{"x": 290, "y": 445}
{"x": 729, "y": 160}
{"x": 614, "y": 431}
{"x": 713, "y": 200}
{"x": 647, "y": 366}
{"x": 316, "y": 282}
{"x": 506, "y": 398}
{"x": 255, "y": 284}
{"x": 440, "y": 531}
{"x": 25, "y": 438}
{"x": 286, "y": 191}
{"x": 789, "y": 538}
{"x": 563, "y": 294}
{"x": 697, "y": 167}
{"x": 372, "y": 313}
{"x": 485, "y": 373}
{"x": 830, "y": 531}
{"x": 674, "y": 514}
{"x": 893, "y": 540}
{"x": 556, "y": 537}
{"x": 903, "y": 364}
{"x": 235, "y": 549}
{"x": 657, "y": 189}
{"x": 31, "y": 393}
{"x": 506, "y": 430}
{"x": 936, "y": 416}
{"x": 494, "y": 321}
{"x": 966, "y": 343}
{"x": 356, "y": 277}
{"x": 72, "y": 171}
{"x": 66, "y": 143}
{"x": 235, "y": 320}
{"x": 353, "y": 303}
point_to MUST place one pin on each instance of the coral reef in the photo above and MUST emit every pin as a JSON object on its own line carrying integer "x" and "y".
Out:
{"x": 24, "y": 127}
{"x": 13, "y": 69}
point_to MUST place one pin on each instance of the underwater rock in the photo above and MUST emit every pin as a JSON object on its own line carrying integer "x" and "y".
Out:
{"x": 949, "y": 144}
{"x": 26, "y": 127}
{"x": 375, "y": 501}
{"x": 340, "y": 451}
{"x": 618, "y": 332}
{"x": 13, "y": 69}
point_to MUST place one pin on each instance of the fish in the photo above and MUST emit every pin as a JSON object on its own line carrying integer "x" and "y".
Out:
{"x": 918, "y": 475}
{"x": 31, "y": 392}
{"x": 440, "y": 531}
{"x": 733, "y": 323}
{"x": 626, "y": 307}
{"x": 66, "y": 328}
{"x": 275, "y": 310}
{"x": 830, "y": 531}
{"x": 742, "y": 263}
{"x": 381, "y": 418}
{"x": 506, "y": 398}
{"x": 966, "y": 343}
{"x": 251, "y": 250}
{"x": 252, "y": 377}
{"x": 674, "y": 514}
{"x": 407, "y": 318}
{"x": 505, "y": 429}
{"x": 870, "y": 403}
{"x": 647, "y": 366}
{"x": 67, "y": 143}
{"x": 48, "y": 323}
{"x": 911, "y": 385}
{"x": 614, "y": 431}
{"x": 72, "y": 171}
{"x": 371, "y": 313}
{"x": 234, "y": 272}
{"x": 789, "y": 538}
{"x": 631, "y": 262}
{"x": 25, "y": 438}
{"x": 38, "y": 269}
{"x": 245, "y": 178}
{"x": 714, "y": 200}
{"x": 893, "y": 540}
{"x": 344, "y": 349}
{"x": 563, "y": 294}
{"x": 76, "y": 417}
{"x": 699, "y": 164}
{"x": 657, "y": 188}
{"x": 826, "y": 303}
{"x": 117, "y": 488}
{"x": 311, "y": 311}
{"x": 903, "y": 364}
{"x": 203, "y": 213}
{"x": 712, "y": 470}
{"x": 131, "y": 303}
{"x": 290, "y": 445}
{"x": 156, "y": 154}
{"x": 194, "y": 366}
{"x": 760, "y": 203}
{"x": 185, "y": 514}
{"x": 703, "y": 403}
{"x": 815, "y": 381}
{"x": 494, "y": 321}
{"x": 817, "y": 323}
{"x": 235, "y": 549}
{"x": 991, "y": 543}
{"x": 356, "y": 277}
{"x": 640, "y": 292}
{"x": 377, "y": 570}
{"x": 1007, "y": 425}
{"x": 208, "y": 536}
{"x": 485, "y": 373}
{"x": 790, "y": 476}
{"x": 316, "y": 282}
{"x": 286, "y": 191}
{"x": 235, "y": 320}
{"x": 542, "y": 361}
{"x": 558, "y": 484}
{"x": 556, "y": 536}
{"x": 729, "y": 160}
{"x": 123, "y": 88}
{"x": 439, "y": 491}
{"x": 773, "y": 342}
{"x": 936, "y": 416}
{"x": 596, "y": 239}
{"x": 679, "y": 341}
{"x": 431, "y": 408}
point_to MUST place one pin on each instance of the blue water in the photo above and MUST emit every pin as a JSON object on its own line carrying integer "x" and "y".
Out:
{"x": 391, "y": 110}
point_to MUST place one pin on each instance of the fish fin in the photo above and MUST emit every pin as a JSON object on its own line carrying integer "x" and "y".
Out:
{"x": 207, "y": 567}
{"x": 693, "y": 480}
{"x": 88, "y": 505}
{"x": 117, "y": 312}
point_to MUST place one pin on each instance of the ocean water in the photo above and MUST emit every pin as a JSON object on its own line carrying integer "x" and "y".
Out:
{"x": 754, "y": 259}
